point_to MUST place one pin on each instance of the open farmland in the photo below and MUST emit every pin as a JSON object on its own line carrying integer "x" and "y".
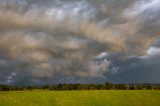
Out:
{"x": 81, "y": 98}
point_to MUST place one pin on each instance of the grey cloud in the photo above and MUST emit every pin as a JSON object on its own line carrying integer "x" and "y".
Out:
{"x": 57, "y": 40}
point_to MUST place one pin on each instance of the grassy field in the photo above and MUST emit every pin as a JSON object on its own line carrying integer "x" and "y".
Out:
{"x": 81, "y": 98}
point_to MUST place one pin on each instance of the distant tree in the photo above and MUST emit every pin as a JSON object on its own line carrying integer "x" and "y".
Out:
{"x": 108, "y": 85}
{"x": 29, "y": 88}
{"x": 150, "y": 87}
{"x": 132, "y": 87}
{"x": 5, "y": 88}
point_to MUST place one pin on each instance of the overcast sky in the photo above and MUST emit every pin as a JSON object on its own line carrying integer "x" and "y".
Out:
{"x": 79, "y": 41}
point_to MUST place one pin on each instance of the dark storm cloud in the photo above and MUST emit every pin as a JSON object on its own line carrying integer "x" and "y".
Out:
{"x": 136, "y": 70}
{"x": 84, "y": 41}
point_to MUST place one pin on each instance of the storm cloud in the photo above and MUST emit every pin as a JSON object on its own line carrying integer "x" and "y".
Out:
{"x": 79, "y": 41}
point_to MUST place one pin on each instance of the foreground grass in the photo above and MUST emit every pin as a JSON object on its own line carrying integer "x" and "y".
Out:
{"x": 81, "y": 98}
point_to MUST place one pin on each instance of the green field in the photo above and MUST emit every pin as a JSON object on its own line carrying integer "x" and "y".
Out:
{"x": 81, "y": 98}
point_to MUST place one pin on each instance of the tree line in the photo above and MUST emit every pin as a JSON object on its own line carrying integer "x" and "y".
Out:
{"x": 106, "y": 86}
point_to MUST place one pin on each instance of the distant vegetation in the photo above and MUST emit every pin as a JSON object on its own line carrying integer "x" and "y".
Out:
{"x": 106, "y": 86}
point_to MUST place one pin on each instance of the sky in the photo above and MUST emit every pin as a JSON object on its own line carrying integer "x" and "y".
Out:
{"x": 79, "y": 41}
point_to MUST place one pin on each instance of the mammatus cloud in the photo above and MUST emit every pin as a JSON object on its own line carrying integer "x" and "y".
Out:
{"x": 86, "y": 41}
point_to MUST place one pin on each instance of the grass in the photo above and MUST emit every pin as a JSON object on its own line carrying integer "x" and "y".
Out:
{"x": 81, "y": 98}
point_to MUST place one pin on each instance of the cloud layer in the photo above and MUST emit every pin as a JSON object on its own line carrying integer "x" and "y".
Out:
{"x": 79, "y": 41}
